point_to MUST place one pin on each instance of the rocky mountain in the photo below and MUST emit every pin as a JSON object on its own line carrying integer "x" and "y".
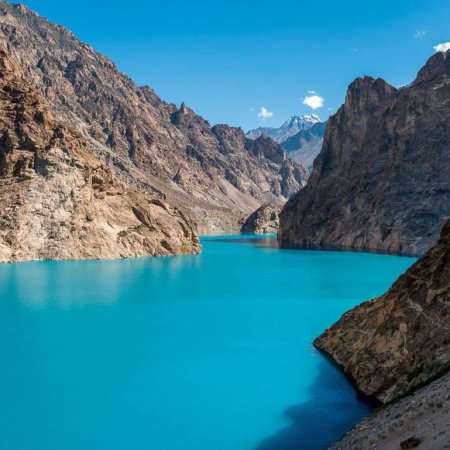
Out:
{"x": 211, "y": 173}
{"x": 381, "y": 180}
{"x": 61, "y": 202}
{"x": 264, "y": 220}
{"x": 400, "y": 341}
{"x": 289, "y": 128}
{"x": 304, "y": 146}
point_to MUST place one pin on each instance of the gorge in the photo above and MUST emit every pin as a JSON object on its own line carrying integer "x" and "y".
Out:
{"x": 250, "y": 333}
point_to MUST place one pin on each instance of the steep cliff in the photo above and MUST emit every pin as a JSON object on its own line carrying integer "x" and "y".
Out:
{"x": 401, "y": 340}
{"x": 58, "y": 201}
{"x": 381, "y": 180}
{"x": 170, "y": 151}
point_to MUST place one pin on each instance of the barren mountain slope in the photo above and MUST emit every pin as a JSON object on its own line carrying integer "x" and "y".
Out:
{"x": 59, "y": 201}
{"x": 168, "y": 150}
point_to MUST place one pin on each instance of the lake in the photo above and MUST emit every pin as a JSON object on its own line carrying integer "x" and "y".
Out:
{"x": 204, "y": 352}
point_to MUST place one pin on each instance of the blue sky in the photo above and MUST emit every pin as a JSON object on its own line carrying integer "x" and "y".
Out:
{"x": 228, "y": 59}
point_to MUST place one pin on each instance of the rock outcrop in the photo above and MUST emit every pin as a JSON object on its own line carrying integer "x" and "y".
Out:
{"x": 171, "y": 152}
{"x": 381, "y": 181}
{"x": 264, "y": 220}
{"x": 58, "y": 201}
{"x": 401, "y": 340}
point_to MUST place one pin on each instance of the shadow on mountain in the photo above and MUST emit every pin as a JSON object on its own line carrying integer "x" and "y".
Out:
{"x": 332, "y": 408}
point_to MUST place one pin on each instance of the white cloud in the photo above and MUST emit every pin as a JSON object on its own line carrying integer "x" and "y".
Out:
{"x": 314, "y": 101}
{"x": 443, "y": 47}
{"x": 420, "y": 34}
{"x": 311, "y": 92}
{"x": 264, "y": 113}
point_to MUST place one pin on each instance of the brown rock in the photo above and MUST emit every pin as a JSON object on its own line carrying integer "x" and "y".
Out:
{"x": 382, "y": 179}
{"x": 59, "y": 201}
{"x": 213, "y": 172}
{"x": 401, "y": 340}
{"x": 411, "y": 442}
{"x": 263, "y": 220}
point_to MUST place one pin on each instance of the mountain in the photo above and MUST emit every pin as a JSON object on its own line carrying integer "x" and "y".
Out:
{"x": 61, "y": 202}
{"x": 401, "y": 340}
{"x": 213, "y": 174}
{"x": 394, "y": 347}
{"x": 304, "y": 146}
{"x": 381, "y": 181}
{"x": 289, "y": 128}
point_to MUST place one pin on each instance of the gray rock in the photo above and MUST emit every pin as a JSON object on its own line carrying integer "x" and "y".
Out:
{"x": 264, "y": 220}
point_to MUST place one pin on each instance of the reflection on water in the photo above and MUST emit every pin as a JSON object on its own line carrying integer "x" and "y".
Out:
{"x": 76, "y": 283}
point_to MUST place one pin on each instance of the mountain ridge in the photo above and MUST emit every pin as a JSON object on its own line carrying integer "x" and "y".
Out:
{"x": 380, "y": 182}
{"x": 287, "y": 129}
{"x": 215, "y": 179}
{"x": 59, "y": 201}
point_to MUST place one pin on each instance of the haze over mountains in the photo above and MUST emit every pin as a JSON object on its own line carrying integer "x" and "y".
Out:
{"x": 300, "y": 136}
{"x": 289, "y": 128}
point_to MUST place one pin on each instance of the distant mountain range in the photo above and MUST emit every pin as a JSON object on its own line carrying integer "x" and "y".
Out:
{"x": 289, "y": 128}
{"x": 300, "y": 136}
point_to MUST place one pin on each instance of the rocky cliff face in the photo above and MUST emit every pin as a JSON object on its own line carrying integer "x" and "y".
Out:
{"x": 59, "y": 201}
{"x": 381, "y": 180}
{"x": 400, "y": 341}
{"x": 169, "y": 151}
{"x": 264, "y": 220}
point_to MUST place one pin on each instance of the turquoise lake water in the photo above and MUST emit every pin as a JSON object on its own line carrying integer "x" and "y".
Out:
{"x": 206, "y": 352}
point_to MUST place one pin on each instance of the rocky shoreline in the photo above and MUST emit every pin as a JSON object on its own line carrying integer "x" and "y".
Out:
{"x": 396, "y": 348}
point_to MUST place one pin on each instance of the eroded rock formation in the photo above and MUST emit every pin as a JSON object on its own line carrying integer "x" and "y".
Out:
{"x": 58, "y": 201}
{"x": 401, "y": 340}
{"x": 212, "y": 172}
{"x": 382, "y": 178}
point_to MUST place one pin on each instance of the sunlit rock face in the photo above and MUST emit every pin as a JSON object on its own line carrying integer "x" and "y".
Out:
{"x": 167, "y": 150}
{"x": 59, "y": 201}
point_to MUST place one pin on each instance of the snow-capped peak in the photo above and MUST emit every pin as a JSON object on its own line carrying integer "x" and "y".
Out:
{"x": 301, "y": 122}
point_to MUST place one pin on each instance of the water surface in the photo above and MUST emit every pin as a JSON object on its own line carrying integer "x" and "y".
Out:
{"x": 206, "y": 352}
